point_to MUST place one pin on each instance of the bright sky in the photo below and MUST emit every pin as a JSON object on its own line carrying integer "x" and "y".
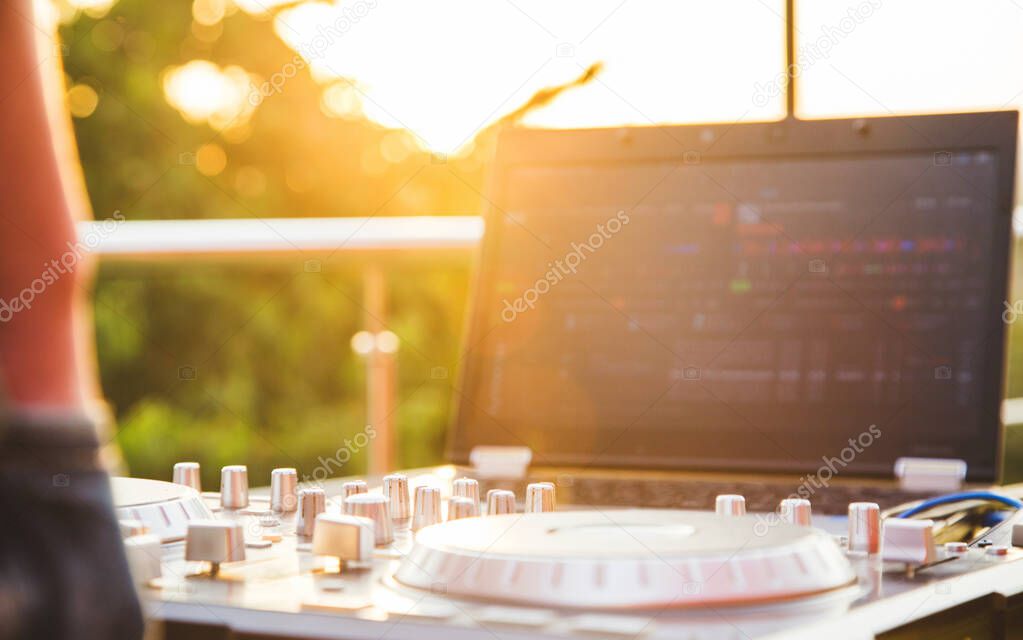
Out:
{"x": 443, "y": 70}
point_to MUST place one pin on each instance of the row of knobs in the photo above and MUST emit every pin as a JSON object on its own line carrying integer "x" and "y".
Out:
{"x": 864, "y": 518}
{"x": 367, "y": 519}
{"x": 395, "y": 508}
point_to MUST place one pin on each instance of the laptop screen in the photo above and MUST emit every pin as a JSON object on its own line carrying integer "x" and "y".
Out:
{"x": 766, "y": 312}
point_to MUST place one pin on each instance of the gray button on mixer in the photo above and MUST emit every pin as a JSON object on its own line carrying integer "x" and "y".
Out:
{"x": 374, "y": 507}
{"x": 215, "y": 541}
{"x": 467, "y": 488}
{"x": 396, "y": 490}
{"x": 540, "y": 497}
{"x": 730, "y": 505}
{"x": 426, "y": 510}
{"x": 500, "y": 501}
{"x": 311, "y": 503}
{"x": 187, "y": 473}
{"x": 234, "y": 486}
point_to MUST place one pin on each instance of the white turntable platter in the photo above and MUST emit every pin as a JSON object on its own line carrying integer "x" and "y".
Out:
{"x": 163, "y": 507}
{"x": 624, "y": 559}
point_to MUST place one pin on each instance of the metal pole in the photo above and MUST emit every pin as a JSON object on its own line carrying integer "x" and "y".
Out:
{"x": 790, "y": 58}
{"x": 380, "y": 374}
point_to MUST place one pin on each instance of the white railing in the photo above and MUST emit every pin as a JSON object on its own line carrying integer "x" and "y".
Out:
{"x": 308, "y": 237}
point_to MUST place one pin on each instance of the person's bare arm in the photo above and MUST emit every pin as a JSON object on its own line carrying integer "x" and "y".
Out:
{"x": 44, "y": 357}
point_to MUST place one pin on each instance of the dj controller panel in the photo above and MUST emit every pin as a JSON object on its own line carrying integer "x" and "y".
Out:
{"x": 436, "y": 554}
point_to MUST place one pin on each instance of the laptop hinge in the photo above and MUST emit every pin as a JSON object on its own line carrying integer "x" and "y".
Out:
{"x": 501, "y": 462}
{"x": 930, "y": 474}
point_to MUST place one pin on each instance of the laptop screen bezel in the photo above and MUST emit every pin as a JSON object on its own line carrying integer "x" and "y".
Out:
{"x": 991, "y": 131}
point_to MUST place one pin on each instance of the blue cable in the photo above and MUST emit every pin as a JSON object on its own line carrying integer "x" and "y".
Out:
{"x": 989, "y": 496}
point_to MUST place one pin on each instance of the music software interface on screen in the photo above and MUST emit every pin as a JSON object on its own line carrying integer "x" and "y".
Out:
{"x": 749, "y": 309}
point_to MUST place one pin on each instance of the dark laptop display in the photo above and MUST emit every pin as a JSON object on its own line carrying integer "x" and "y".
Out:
{"x": 758, "y": 297}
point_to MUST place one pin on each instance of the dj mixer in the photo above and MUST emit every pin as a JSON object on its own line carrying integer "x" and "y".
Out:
{"x": 424, "y": 555}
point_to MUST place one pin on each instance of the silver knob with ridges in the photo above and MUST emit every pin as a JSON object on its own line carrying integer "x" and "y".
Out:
{"x": 283, "y": 490}
{"x": 459, "y": 507}
{"x": 426, "y": 510}
{"x": 467, "y": 488}
{"x": 795, "y": 511}
{"x": 730, "y": 505}
{"x": 350, "y": 539}
{"x": 311, "y": 503}
{"x": 375, "y": 507}
{"x": 234, "y": 486}
{"x": 864, "y": 527}
{"x": 396, "y": 490}
{"x": 215, "y": 541}
{"x": 187, "y": 473}
{"x": 500, "y": 501}
{"x": 353, "y": 487}
{"x": 540, "y": 497}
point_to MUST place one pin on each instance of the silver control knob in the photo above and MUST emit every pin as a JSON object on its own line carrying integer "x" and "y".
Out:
{"x": 350, "y": 539}
{"x": 540, "y": 497}
{"x": 864, "y": 527}
{"x": 353, "y": 487}
{"x": 500, "y": 501}
{"x": 187, "y": 473}
{"x": 215, "y": 541}
{"x": 730, "y": 505}
{"x": 311, "y": 503}
{"x": 467, "y": 488}
{"x": 144, "y": 554}
{"x": 426, "y": 510}
{"x": 374, "y": 507}
{"x": 459, "y": 507}
{"x": 234, "y": 486}
{"x": 396, "y": 490}
{"x": 283, "y": 490}
{"x": 795, "y": 511}
{"x": 956, "y": 548}
{"x": 909, "y": 541}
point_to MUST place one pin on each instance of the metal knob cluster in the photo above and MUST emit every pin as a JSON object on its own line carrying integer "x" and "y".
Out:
{"x": 426, "y": 510}
{"x": 373, "y": 507}
{"x": 795, "y": 511}
{"x": 730, "y": 505}
{"x": 234, "y": 486}
{"x": 283, "y": 490}
{"x": 311, "y": 503}
{"x": 540, "y": 497}
{"x": 500, "y": 501}
{"x": 187, "y": 473}
{"x": 353, "y": 487}
{"x": 460, "y": 507}
{"x": 469, "y": 489}
{"x": 396, "y": 491}
{"x": 864, "y": 527}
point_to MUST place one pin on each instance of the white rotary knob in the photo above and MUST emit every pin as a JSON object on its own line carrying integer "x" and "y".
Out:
{"x": 215, "y": 541}
{"x": 234, "y": 486}
{"x": 396, "y": 490}
{"x": 311, "y": 503}
{"x": 730, "y": 505}
{"x": 864, "y": 527}
{"x": 374, "y": 507}
{"x": 426, "y": 510}
{"x": 467, "y": 488}
{"x": 283, "y": 490}
{"x": 795, "y": 511}
{"x": 500, "y": 501}
{"x": 540, "y": 497}
{"x": 350, "y": 539}
{"x": 187, "y": 473}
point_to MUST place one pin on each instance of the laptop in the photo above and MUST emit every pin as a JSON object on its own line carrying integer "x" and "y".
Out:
{"x": 809, "y": 308}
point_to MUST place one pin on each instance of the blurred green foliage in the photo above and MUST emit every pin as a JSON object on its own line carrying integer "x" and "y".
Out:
{"x": 275, "y": 380}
